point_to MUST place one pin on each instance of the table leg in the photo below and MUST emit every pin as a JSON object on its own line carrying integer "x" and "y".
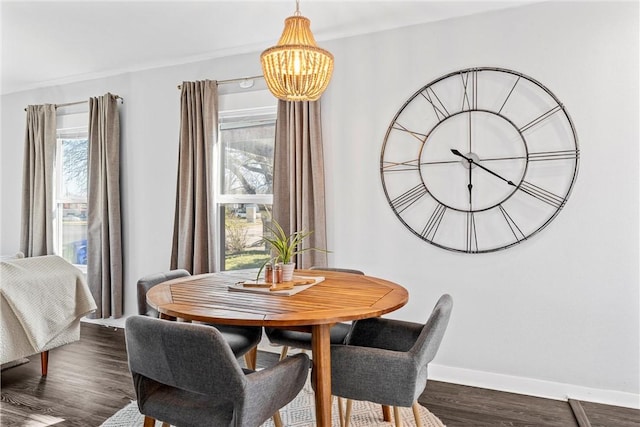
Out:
{"x": 321, "y": 348}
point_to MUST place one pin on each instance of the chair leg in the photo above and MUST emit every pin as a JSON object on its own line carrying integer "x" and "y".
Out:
{"x": 149, "y": 422}
{"x": 340, "y": 412}
{"x": 386, "y": 413}
{"x": 166, "y": 425}
{"x": 397, "y": 416}
{"x": 416, "y": 413}
{"x": 347, "y": 415}
{"x": 44, "y": 362}
{"x": 283, "y": 353}
{"x": 251, "y": 357}
{"x": 277, "y": 421}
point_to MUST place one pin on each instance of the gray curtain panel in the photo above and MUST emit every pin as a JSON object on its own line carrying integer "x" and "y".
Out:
{"x": 36, "y": 235}
{"x": 104, "y": 246}
{"x": 298, "y": 178}
{"x": 194, "y": 247}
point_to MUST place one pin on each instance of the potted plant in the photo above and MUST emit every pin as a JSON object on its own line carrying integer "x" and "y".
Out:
{"x": 286, "y": 247}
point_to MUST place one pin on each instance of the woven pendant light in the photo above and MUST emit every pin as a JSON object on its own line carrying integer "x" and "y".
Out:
{"x": 296, "y": 69}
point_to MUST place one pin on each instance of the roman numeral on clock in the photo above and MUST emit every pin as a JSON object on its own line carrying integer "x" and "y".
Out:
{"x": 472, "y": 238}
{"x": 417, "y": 135}
{"x": 409, "y": 165}
{"x": 409, "y": 197}
{"x": 431, "y": 228}
{"x": 542, "y": 117}
{"x": 470, "y": 85}
{"x": 438, "y": 107}
{"x": 541, "y": 194}
{"x": 517, "y": 233}
{"x": 553, "y": 155}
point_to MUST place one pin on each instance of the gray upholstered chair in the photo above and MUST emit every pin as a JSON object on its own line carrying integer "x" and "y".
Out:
{"x": 195, "y": 380}
{"x": 242, "y": 339}
{"x": 302, "y": 340}
{"x": 385, "y": 360}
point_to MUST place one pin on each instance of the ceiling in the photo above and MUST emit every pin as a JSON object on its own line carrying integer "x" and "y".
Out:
{"x": 47, "y": 43}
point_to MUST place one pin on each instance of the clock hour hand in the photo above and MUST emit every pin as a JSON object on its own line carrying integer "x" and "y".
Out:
{"x": 470, "y": 160}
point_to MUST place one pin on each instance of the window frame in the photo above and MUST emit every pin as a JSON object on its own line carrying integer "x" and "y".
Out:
{"x": 229, "y": 119}
{"x": 66, "y": 133}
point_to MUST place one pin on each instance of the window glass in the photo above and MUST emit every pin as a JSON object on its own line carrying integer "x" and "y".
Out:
{"x": 245, "y": 190}
{"x": 244, "y": 226}
{"x": 71, "y": 179}
{"x": 247, "y": 157}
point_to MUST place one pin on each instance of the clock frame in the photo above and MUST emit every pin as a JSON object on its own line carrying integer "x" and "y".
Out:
{"x": 479, "y": 160}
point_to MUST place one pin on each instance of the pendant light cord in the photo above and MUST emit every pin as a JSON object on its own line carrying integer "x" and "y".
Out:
{"x": 297, "y": 8}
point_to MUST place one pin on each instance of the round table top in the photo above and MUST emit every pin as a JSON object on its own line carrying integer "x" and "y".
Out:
{"x": 339, "y": 297}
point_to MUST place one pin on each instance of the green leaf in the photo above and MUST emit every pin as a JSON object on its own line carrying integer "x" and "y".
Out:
{"x": 285, "y": 246}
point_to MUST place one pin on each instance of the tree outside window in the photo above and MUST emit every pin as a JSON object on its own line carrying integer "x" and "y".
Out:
{"x": 71, "y": 195}
{"x": 246, "y": 187}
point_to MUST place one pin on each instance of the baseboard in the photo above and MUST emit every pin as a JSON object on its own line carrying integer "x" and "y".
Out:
{"x": 532, "y": 387}
{"x": 513, "y": 384}
{"x": 111, "y": 322}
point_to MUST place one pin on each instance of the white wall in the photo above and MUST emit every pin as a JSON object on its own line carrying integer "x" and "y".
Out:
{"x": 555, "y": 316}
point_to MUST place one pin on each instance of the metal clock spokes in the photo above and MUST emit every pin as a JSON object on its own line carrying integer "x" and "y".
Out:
{"x": 479, "y": 160}
{"x": 469, "y": 129}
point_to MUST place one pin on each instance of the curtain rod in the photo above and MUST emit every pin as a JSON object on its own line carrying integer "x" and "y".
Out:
{"x": 81, "y": 102}
{"x": 224, "y": 82}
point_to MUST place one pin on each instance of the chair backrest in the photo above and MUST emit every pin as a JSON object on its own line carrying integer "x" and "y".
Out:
{"x": 186, "y": 356}
{"x": 341, "y": 270}
{"x": 430, "y": 337}
{"x": 148, "y": 282}
{"x": 396, "y": 372}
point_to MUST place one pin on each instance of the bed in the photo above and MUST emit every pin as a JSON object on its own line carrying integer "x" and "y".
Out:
{"x": 42, "y": 300}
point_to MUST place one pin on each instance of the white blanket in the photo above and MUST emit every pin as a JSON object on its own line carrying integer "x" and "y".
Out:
{"x": 47, "y": 295}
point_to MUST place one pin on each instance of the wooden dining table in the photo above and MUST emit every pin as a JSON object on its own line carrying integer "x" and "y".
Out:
{"x": 339, "y": 297}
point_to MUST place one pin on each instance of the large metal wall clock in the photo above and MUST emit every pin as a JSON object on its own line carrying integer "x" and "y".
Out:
{"x": 479, "y": 160}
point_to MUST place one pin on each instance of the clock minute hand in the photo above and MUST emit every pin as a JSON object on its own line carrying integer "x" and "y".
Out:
{"x": 470, "y": 160}
{"x": 470, "y": 186}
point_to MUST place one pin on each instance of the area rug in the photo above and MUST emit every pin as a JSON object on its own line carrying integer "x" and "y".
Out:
{"x": 300, "y": 412}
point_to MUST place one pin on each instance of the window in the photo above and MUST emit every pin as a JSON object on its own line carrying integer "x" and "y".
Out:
{"x": 245, "y": 185}
{"x": 70, "y": 194}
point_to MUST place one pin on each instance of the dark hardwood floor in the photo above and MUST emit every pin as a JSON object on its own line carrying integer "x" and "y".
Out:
{"x": 89, "y": 381}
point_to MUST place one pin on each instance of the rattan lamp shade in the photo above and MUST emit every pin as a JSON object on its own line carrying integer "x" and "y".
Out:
{"x": 296, "y": 69}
